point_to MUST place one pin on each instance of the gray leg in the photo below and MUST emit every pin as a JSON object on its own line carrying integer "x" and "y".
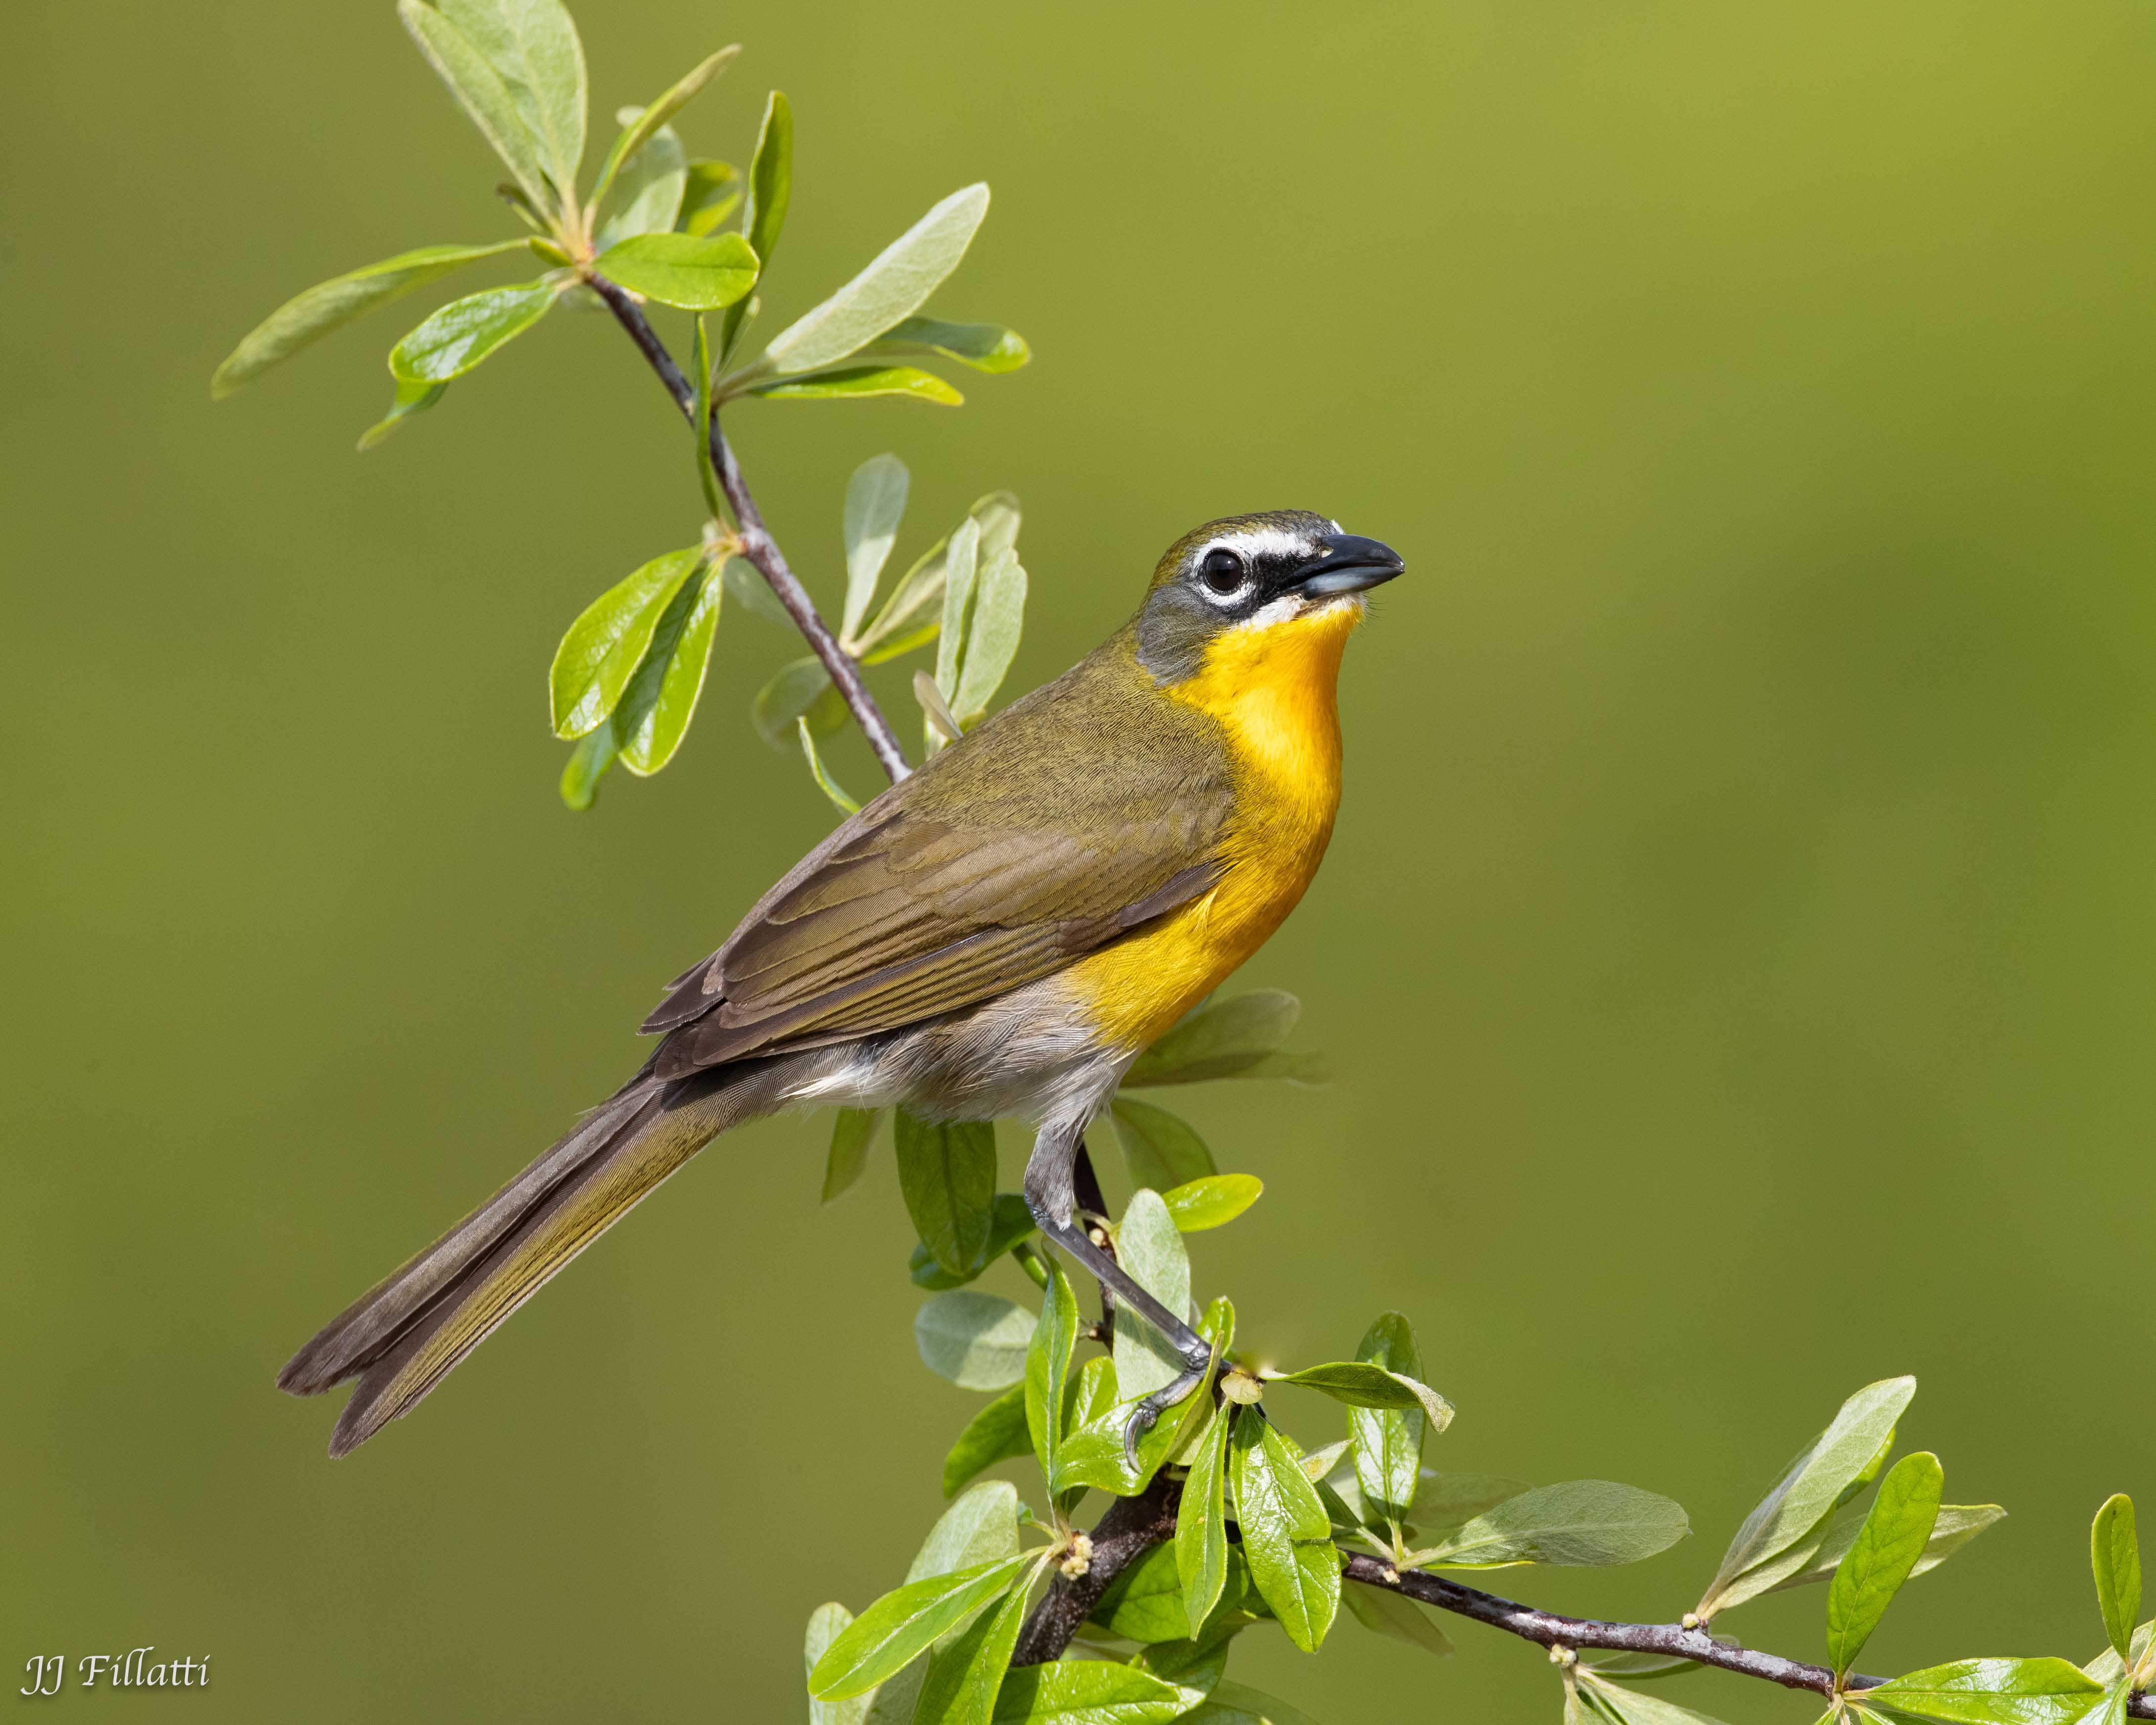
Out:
{"x": 1049, "y": 1194}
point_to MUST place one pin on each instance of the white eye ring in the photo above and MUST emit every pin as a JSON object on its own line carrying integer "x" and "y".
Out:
{"x": 1223, "y": 560}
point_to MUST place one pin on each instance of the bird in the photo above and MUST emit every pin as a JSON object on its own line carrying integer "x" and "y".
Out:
{"x": 1002, "y": 933}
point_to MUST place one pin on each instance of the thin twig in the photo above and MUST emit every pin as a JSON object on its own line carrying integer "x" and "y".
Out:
{"x": 761, "y": 549}
{"x": 757, "y": 544}
{"x": 1133, "y": 1526}
{"x": 1547, "y": 1629}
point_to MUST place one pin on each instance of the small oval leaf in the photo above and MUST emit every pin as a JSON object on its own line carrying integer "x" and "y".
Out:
{"x": 697, "y": 274}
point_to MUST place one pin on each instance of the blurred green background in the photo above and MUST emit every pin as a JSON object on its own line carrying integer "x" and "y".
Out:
{"x": 1735, "y": 952}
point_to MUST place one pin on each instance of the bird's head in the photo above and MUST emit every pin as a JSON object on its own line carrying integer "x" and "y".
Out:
{"x": 1282, "y": 573}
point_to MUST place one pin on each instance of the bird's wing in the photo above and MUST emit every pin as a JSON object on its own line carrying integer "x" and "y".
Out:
{"x": 1069, "y": 818}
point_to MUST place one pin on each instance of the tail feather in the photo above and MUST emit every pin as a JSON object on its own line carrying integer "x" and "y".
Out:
{"x": 408, "y": 1333}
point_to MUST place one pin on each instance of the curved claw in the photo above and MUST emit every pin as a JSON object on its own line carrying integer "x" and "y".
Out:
{"x": 1147, "y": 1413}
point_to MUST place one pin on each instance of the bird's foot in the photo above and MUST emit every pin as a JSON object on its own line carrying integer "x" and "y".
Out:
{"x": 1196, "y": 1364}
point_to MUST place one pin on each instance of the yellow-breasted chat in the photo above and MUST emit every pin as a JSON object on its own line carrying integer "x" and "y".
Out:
{"x": 1001, "y": 933}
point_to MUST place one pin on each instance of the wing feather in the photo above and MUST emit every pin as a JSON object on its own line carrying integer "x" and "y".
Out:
{"x": 993, "y": 867}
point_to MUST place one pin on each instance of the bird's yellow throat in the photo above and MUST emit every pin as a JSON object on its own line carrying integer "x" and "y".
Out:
{"x": 1274, "y": 690}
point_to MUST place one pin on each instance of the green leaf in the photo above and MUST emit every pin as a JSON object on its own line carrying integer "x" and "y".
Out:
{"x": 1992, "y": 1692}
{"x": 328, "y": 306}
{"x": 1225, "y": 1040}
{"x": 1160, "y": 1150}
{"x": 533, "y": 46}
{"x": 1446, "y": 1502}
{"x": 1089, "y": 1691}
{"x": 1642, "y": 1667}
{"x": 943, "y": 727}
{"x": 467, "y": 330}
{"x": 965, "y": 1677}
{"x": 1092, "y": 1454}
{"x": 708, "y": 197}
{"x": 1198, "y": 1664}
{"x": 978, "y": 1341}
{"x": 981, "y": 1527}
{"x": 985, "y": 347}
{"x": 770, "y": 176}
{"x": 648, "y": 195}
{"x": 1232, "y": 1703}
{"x": 1957, "y": 1524}
{"x": 1360, "y": 1385}
{"x": 851, "y": 1134}
{"x": 1145, "y": 1602}
{"x": 890, "y": 289}
{"x": 1629, "y": 1707}
{"x": 1821, "y": 1477}
{"x": 1278, "y": 1511}
{"x": 960, "y": 564}
{"x": 1201, "y": 1529}
{"x": 647, "y": 123}
{"x": 411, "y": 398}
{"x": 1581, "y": 1522}
{"x": 588, "y": 761}
{"x": 747, "y": 587}
{"x": 1211, "y": 1201}
{"x": 1091, "y": 1394}
{"x": 919, "y": 588}
{"x": 1317, "y": 1582}
{"x": 1048, "y": 1364}
{"x": 1318, "y": 1463}
{"x": 2115, "y": 1554}
{"x": 1338, "y": 1490}
{"x": 680, "y": 269}
{"x": 661, "y": 698}
{"x": 606, "y": 644}
{"x": 1150, "y": 1250}
{"x": 1388, "y": 1442}
{"x": 946, "y": 1170}
{"x": 998, "y": 1433}
{"x": 911, "y": 642}
{"x": 826, "y": 1624}
{"x": 899, "y": 1628}
{"x": 999, "y": 518}
{"x": 858, "y": 382}
{"x": 875, "y": 502}
{"x": 1888, "y": 1547}
{"x": 802, "y": 689}
{"x": 1010, "y": 1221}
{"x": 770, "y": 190}
{"x": 830, "y": 787}
{"x": 2107, "y": 1667}
{"x": 1384, "y": 1612}
{"x": 992, "y": 638}
{"x": 481, "y": 92}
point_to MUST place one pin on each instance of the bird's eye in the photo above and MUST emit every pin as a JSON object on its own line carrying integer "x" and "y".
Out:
{"x": 1222, "y": 570}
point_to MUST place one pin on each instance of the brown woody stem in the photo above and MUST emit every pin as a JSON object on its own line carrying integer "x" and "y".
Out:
{"x": 757, "y": 544}
{"x": 1133, "y": 1526}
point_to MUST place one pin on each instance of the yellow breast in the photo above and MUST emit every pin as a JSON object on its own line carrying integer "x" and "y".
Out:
{"x": 1273, "y": 690}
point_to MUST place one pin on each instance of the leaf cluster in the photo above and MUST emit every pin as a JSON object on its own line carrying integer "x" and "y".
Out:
{"x": 651, "y": 228}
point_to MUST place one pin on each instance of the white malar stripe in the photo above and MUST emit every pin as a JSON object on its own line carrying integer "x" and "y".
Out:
{"x": 1288, "y": 607}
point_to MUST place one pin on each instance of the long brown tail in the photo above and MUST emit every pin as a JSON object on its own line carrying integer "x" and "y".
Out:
{"x": 404, "y": 1335}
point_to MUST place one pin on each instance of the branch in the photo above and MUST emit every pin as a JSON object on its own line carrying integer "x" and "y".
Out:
{"x": 759, "y": 548}
{"x": 757, "y": 544}
{"x": 1133, "y": 1526}
{"x": 1130, "y": 1529}
{"x": 1546, "y": 1629}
